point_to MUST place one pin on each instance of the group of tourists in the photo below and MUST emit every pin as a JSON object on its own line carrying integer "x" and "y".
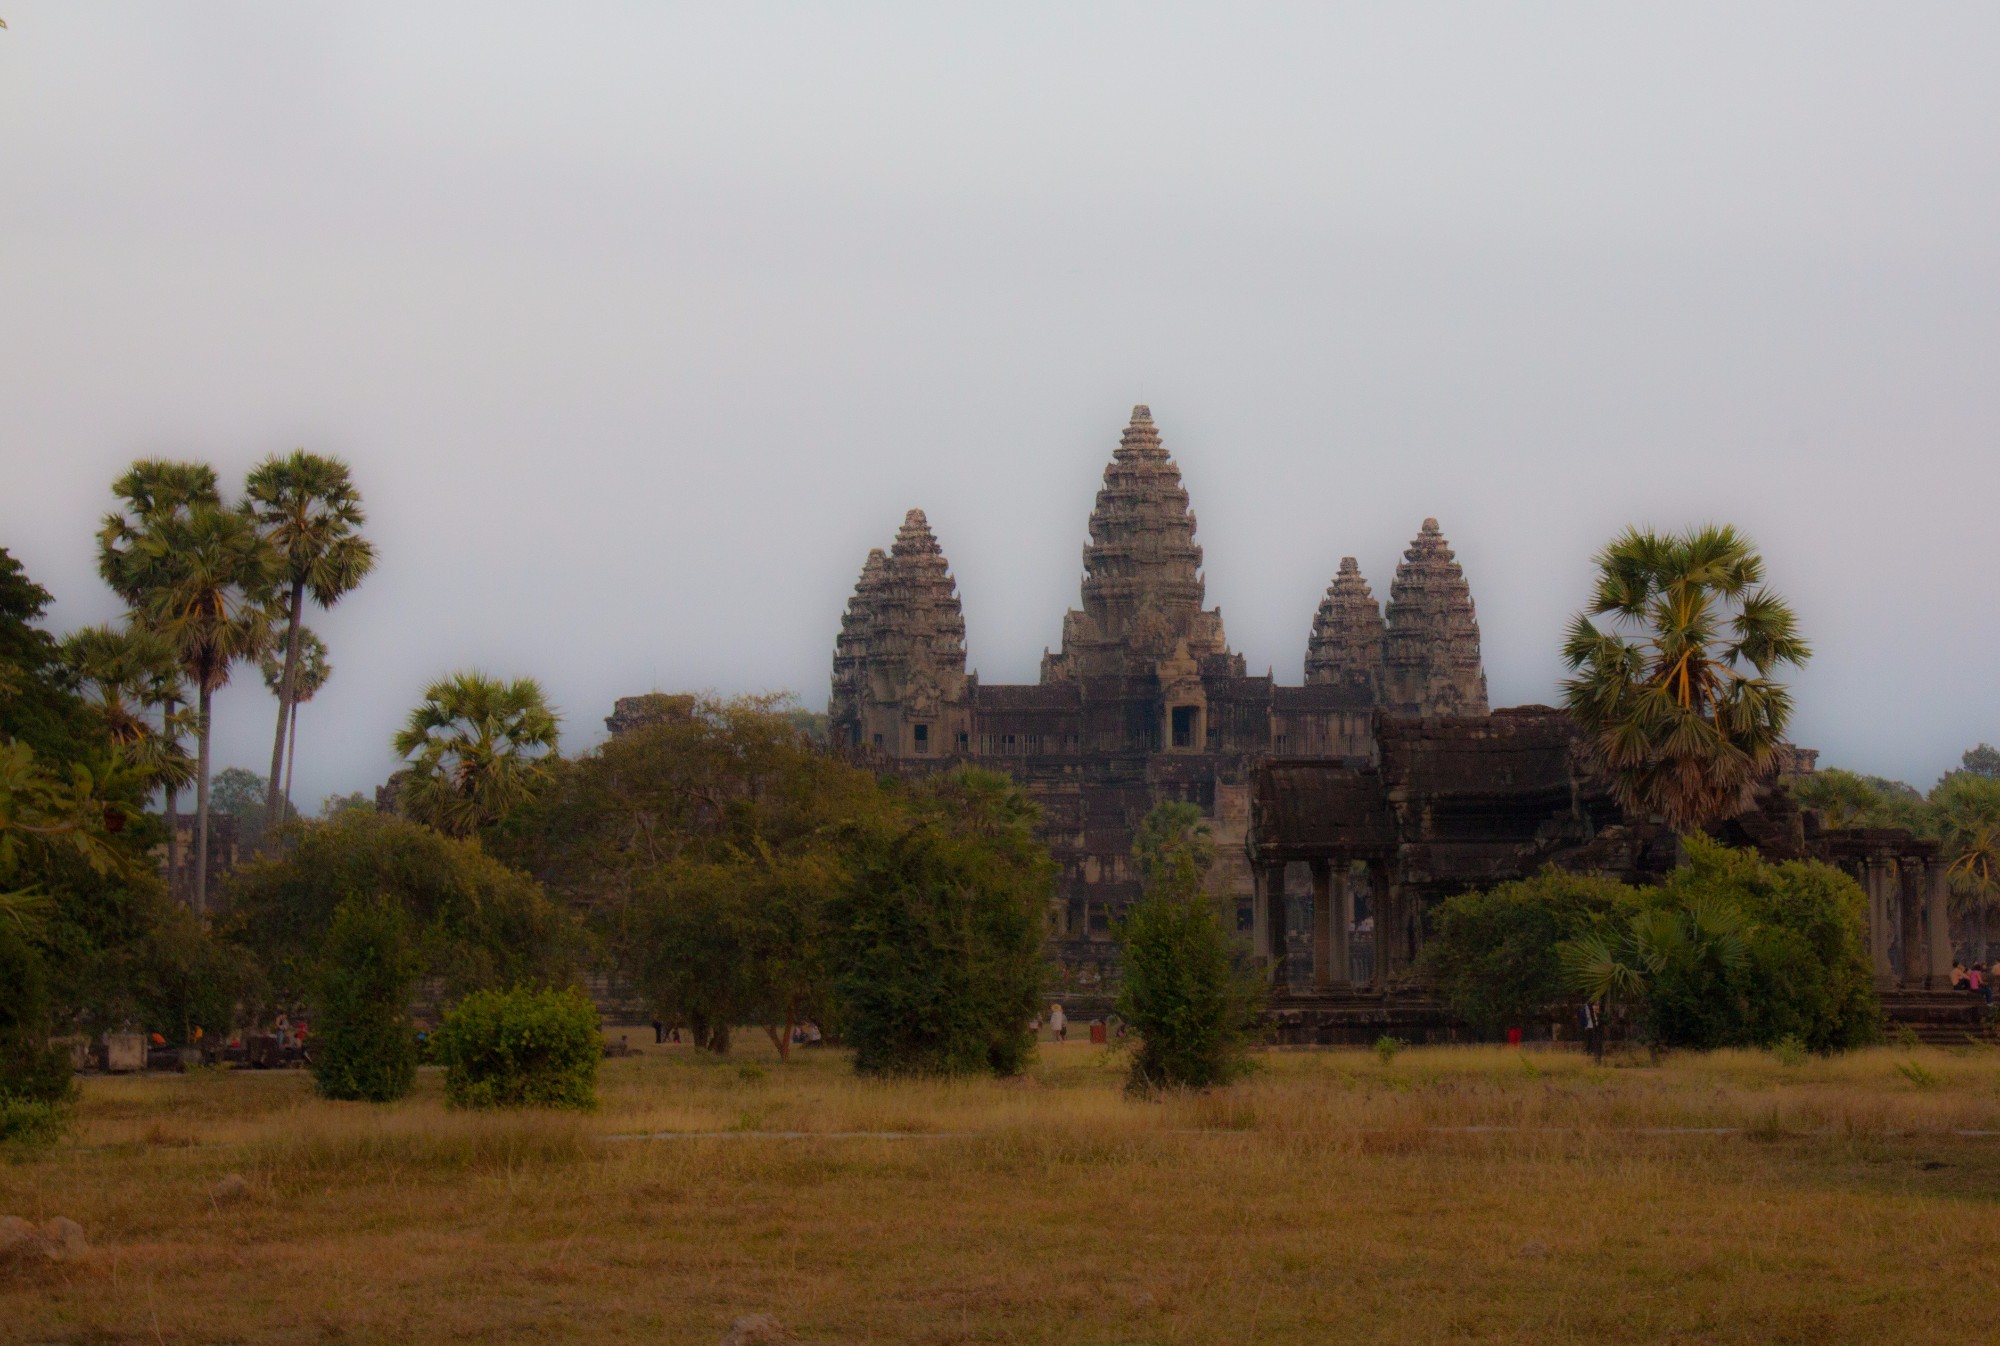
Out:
{"x": 1973, "y": 977}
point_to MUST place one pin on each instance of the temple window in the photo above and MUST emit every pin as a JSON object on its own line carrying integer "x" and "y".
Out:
{"x": 1185, "y": 720}
{"x": 878, "y": 740}
{"x": 923, "y": 739}
{"x": 964, "y": 742}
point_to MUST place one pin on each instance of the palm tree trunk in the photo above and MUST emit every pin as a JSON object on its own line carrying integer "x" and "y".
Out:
{"x": 173, "y": 823}
{"x": 291, "y": 759}
{"x": 201, "y": 807}
{"x": 287, "y": 690}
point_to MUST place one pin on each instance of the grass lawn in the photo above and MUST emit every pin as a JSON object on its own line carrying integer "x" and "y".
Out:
{"x": 1452, "y": 1194}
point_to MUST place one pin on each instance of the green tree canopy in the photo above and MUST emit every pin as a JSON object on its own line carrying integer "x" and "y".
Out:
{"x": 708, "y": 843}
{"x": 474, "y": 922}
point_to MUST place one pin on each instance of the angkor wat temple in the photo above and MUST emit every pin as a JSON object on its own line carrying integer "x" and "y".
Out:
{"x": 1145, "y": 701}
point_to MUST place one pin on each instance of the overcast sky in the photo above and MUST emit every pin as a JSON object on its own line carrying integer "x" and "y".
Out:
{"x": 640, "y": 324}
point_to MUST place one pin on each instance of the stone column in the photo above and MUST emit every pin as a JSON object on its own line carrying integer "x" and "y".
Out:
{"x": 1322, "y": 879}
{"x": 1875, "y": 882}
{"x": 1341, "y": 903}
{"x": 1269, "y": 921}
{"x": 1910, "y": 896}
{"x": 1388, "y": 913}
{"x": 1936, "y": 875}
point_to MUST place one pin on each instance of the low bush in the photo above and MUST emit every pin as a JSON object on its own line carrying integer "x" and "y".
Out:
{"x": 520, "y": 1048}
{"x": 365, "y": 1046}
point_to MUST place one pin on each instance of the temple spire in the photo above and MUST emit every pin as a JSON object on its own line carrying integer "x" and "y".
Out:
{"x": 1142, "y": 584}
{"x": 1346, "y": 643}
{"x": 1431, "y": 657}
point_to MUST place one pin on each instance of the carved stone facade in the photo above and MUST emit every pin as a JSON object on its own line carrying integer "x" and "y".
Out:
{"x": 1145, "y": 701}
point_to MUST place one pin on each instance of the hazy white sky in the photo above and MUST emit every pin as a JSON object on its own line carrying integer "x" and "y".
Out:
{"x": 640, "y": 324}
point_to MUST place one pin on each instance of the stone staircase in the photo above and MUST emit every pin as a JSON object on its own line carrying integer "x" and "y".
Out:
{"x": 1938, "y": 1018}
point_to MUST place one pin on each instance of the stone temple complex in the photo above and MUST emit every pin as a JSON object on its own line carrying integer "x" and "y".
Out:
{"x": 1145, "y": 701}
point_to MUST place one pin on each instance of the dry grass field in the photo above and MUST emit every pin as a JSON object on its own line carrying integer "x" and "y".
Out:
{"x": 1478, "y": 1194}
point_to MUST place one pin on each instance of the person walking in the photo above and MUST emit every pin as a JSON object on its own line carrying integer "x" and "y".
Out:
{"x": 1058, "y": 1023}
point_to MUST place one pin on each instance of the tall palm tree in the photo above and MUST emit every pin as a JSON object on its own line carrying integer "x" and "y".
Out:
{"x": 476, "y": 748}
{"x": 131, "y": 556}
{"x": 307, "y": 678}
{"x": 213, "y": 606}
{"x": 1675, "y": 691}
{"x": 127, "y": 674}
{"x": 309, "y": 511}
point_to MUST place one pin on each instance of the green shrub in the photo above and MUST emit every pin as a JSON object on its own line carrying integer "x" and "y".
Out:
{"x": 365, "y": 1046}
{"x": 1800, "y": 968}
{"x": 1386, "y": 1048}
{"x": 938, "y": 938}
{"x": 520, "y": 1048}
{"x": 1493, "y": 953}
{"x": 1192, "y": 1002}
{"x": 36, "y": 1091}
{"x": 1194, "y": 1008}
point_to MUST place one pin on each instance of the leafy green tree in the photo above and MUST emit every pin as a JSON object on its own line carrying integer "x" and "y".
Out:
{"x": 240, "y": 794}
{"x": 76, "y": 874}
{"x": 1494, "y": 952}
{"x": 521, "y": 1048}
{"x": 310, "y": 674}
{"x": 1966, "y": 806}
{"x": 1983, "y": 760}
{"x": 364, "y": 1046}
{"x": 210, "y": 602}
{"x": 707, "y": 843}
{"x": 307, "y": 508}
{"x": 1849, "y": 799}
{"x": 1193, "y": 1005}
{"x": 477, "y": 748}
{"x": 475, "y": 922}
{"x": 937, "y": 939}
{"x": 156, "y": 494}
{"x": 1676, "y": 692}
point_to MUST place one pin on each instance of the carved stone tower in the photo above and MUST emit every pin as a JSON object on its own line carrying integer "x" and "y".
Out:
{"x": 1345, "y": 648}
{"x": 899, "y": 679}
{"x": 1431, "y": 661}
{"x": 1142, "y": 585}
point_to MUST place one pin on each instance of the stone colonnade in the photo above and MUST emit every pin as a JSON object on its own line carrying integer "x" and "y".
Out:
{"x": 1395, "y": 940}
{"x": 1909, "y": 921}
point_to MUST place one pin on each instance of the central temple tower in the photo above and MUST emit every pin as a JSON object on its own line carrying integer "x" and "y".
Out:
{"x": 1142, "y": 584}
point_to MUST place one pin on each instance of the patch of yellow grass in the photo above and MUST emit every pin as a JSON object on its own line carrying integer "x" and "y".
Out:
{"x": 1453, "y": 1194}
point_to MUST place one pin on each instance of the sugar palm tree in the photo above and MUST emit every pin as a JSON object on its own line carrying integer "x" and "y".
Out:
{"x": 156, "y": 493}
{"x": 1675, "y": 690}
{"x": 127, "y": 675}
{"x": 310, "y": 513}
{"x": 212, "y": 604}
{"x": 476, "y": 748}
{"x": 308, "y": 677}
